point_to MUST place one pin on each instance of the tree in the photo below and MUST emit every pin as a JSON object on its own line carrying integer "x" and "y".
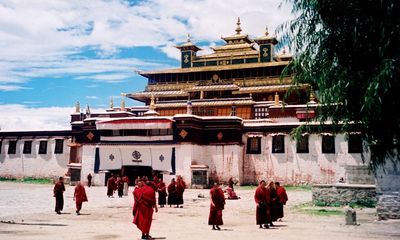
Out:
{"x": 349, "y": 51}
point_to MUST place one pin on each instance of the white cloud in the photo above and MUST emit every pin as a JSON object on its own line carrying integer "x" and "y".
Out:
{"x": 38, "y": 38}
{"x": 16, "y": 117}
{"x": 92, "y": 97}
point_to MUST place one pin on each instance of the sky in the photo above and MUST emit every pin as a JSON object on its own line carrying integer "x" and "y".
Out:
{"x": 54, "y": 53}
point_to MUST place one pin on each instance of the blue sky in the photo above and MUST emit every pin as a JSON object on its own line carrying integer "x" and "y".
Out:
{"x": 54, "y": 53}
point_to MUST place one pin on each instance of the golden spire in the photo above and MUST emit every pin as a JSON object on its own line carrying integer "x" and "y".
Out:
{"x": 266, "y": 31}
{"x": 276, "y": 99}
{"x": 111, "y": 102}
{"x": 77, "y": 107}
{"x": 238, "y": 29}
{"x": 123, "y": 104}
{"x": 152, "y": 104}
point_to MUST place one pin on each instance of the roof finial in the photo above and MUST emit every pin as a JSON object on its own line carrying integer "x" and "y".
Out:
{"x": 152, "y": 103}
{"x": 77, "y": 107}
{"x": 188, "y": 38}
{"x": 111, "y": 102}
{"x": 266, "y": 30}
{"x": 238, "y": 29}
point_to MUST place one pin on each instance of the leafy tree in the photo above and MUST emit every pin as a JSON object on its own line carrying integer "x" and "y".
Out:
{"x": 349, "y": 51}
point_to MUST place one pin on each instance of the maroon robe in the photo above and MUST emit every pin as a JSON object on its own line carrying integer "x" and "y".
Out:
{"x": 282, "y": 199}
{"x": 145, "y": 200}
{"x": 262, "y": 200}
{"x": 111, "y": 186}
{"x": 58, "y": 191}
{"x": 162, "y": 193}
{"x": 79, "y": 196}
{"x": 172, "y": 193}
{"x": 218, "y": 198}
{"x": 180, "y": 188}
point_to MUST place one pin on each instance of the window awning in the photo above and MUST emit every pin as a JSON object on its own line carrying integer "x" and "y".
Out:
{"x": 255, "y": 134}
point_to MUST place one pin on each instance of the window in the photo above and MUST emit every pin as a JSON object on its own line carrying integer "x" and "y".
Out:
{"x": 233, "y": 110}
{"x": 302, "y": 144}
{"x": 43, "y": 147}
{"x": 27, "y": 147}
{"x": 253, "y": 145}
{"x": 278, "y": 144}
{"x": 355, "y": 143}
{"x": 59, "y": 146}
{"x": 328, "y": 144}
{"x": 12, "y": 147}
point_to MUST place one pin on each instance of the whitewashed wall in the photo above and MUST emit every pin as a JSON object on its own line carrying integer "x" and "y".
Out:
{"x": 34, "y": 164}
{"x": 296, "y": 168}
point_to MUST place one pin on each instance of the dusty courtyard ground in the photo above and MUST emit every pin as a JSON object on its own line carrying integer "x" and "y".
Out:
{"x": 27, "y": 212}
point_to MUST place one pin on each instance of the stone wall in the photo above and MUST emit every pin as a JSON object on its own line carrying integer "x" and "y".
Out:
{"x": 343, "y": 194}
{"x": 388, "y": 191}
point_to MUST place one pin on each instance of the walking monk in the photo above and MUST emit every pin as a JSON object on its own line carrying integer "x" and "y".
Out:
{"x": 216, "y": 207}
{"x": 58, "y": 192}
{"x": 282, "y": 199}
{"x": 111, "y": 186}
{"x": 262, "y": 200}
{"x": 162, "y": 193}
{"x": 172, "y": 193}
{"x": 145, "y": 201}
{"x": 79, "y": 196}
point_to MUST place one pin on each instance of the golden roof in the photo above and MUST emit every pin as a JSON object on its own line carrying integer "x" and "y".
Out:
{"x": 271, "y": 88}
{"x": 205, "y": 103}
{"x": 213, "y": 88}
{"x": 216, "y": 68}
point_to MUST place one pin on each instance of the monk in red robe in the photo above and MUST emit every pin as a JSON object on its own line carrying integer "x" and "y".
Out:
{"x": 58, "y": 192}
{"x": 145, "y": 201}
{"x": 111, "y": 186}
{"x": 216, "y": 206}
{"x": 172, "y": 193}
{"x": 162, "y": 193}
{"x": 274, "y": 202}
{"x": 282, "y": 199}
{"x": 180, "y": 188}
{"x": 79, "y": 196}
{"x": 262, "y": 200}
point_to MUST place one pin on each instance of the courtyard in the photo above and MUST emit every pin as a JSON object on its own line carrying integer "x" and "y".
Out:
{"x": 27, "y": 212}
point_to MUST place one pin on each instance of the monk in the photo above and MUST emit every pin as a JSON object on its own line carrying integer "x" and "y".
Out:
{"x": 145, "y": 201}
{"x": 172, "y": 193}
{"x": 126, "y": 182}
{"x": 282, "y": 199}
{"x": 180, "y": 188}
{"x": 261, "y": 198}
{"x": 89, "y": 180}
{"x": 111, "y": 186}
{"x": 274, "y": 202}
{"x": 230, "y": 183}
{"x": 162, "y": 193}
{"x": 58, "y": 192}
{"x": 216, "y": 206}
{"x": 120, "y": 187}
{"x": 79, "y": 196}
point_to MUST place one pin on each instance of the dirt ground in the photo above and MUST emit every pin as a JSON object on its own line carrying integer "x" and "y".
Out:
{"x": 27, "y": 212}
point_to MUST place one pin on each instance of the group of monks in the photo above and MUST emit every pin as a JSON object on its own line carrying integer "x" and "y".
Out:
{"x": 269, "y": 200}
{"x": 79, "y": 196}
{"x": 116, "y": 183}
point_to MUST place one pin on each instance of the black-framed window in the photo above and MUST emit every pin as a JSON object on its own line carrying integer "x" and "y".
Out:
{"x": 27, "y": 147}
{"x": 328, "y": 144}
{"x": 253, "y": 145}
{"x": 59, "y": 147}
{"x": 355, "y": 143}
{"x": 43, "y": 147}
{"x": 278, "y": 144}
{"x": 12, "y": 147}
{"x": 302, "y": 144}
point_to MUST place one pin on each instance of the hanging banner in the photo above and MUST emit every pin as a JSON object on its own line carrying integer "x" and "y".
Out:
{"x": 113, "y": 157}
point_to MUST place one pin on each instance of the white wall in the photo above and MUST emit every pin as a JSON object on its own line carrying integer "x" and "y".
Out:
{"x": 34, "y": 164}
{"x": 296, "y": 168}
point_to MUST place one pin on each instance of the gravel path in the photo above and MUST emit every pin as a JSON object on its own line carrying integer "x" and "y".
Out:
{"x": 27, "y": 212}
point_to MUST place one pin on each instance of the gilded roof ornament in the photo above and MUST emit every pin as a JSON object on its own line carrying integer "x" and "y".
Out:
{"x": 238, "y": 28}
{"x": 188, "y": 38}
{"x": 152, "y": 104}
{"x": 77, "y": 107}
{"x": 266, "y": 31}
{"x": 111, "y": 102}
